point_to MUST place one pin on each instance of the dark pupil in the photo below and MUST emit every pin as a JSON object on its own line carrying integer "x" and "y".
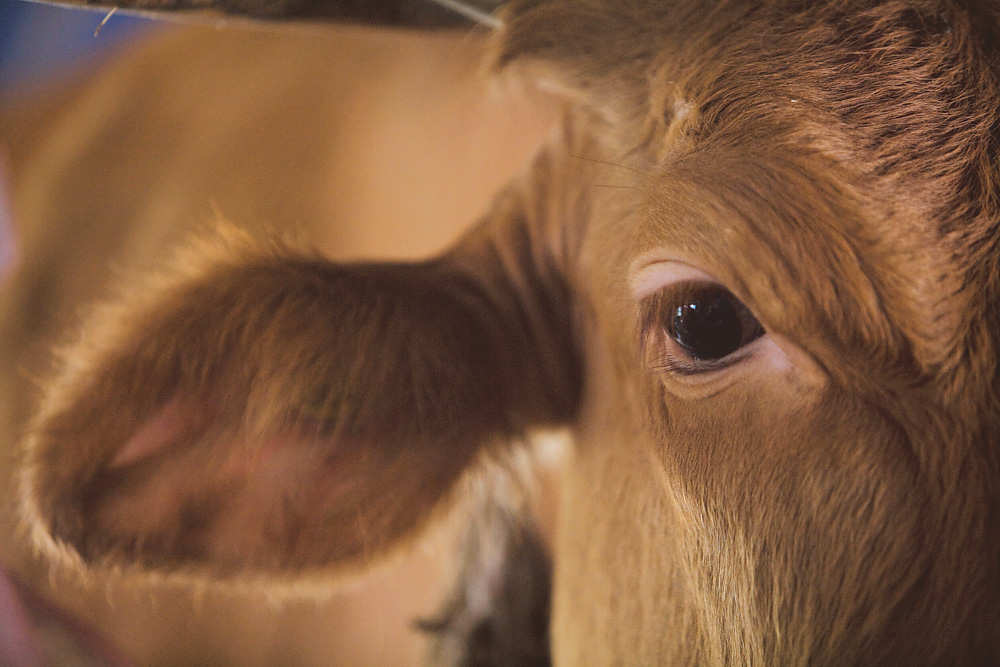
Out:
{"x": 710, "y": 323}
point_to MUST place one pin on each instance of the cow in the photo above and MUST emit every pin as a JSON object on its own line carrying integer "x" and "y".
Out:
{"x": 753, "y": 273}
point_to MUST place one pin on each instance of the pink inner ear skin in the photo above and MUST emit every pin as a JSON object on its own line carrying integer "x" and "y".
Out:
{"x": 174, "y": 424}
{"x": 228, "y": 498}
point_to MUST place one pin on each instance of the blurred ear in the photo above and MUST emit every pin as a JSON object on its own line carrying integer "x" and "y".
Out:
{"x": 397, "y": 13}
{"x": 263, "y": 411}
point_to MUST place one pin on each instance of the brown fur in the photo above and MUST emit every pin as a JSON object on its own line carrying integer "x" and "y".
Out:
{"x": 833, "y": 164}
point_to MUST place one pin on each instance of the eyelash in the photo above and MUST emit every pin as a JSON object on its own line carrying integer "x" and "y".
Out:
{"x": 666, "y": 362}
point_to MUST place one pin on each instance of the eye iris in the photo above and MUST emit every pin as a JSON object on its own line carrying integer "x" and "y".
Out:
{"x": 710, "y": 323}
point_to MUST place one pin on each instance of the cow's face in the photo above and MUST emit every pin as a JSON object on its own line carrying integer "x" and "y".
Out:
{"x": 791, "y": 473}
{"x": 755, "y": 273}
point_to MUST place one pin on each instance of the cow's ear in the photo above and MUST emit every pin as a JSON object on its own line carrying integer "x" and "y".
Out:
{"x": 268, "y": 413}
{"x": 397, "y": 13}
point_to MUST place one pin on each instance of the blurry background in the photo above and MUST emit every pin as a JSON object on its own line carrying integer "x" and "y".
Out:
{"x": 40, "y": 41}
{"x": 41, "y": 45}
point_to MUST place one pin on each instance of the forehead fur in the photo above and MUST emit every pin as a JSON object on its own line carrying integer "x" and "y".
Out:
{"x": 911, "y": 85}
{"x": 896, "y": 103}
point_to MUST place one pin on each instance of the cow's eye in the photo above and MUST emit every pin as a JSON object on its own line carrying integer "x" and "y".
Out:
{"x": 699, "y": 326}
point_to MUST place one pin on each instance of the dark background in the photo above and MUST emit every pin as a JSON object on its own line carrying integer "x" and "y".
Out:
{"x": 39, "y": 41}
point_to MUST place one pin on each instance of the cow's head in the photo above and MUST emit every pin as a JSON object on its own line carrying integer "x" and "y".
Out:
{"x": 755, "y": 273}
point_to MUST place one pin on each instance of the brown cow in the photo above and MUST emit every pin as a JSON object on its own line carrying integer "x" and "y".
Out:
{"x": 755, "y": 274}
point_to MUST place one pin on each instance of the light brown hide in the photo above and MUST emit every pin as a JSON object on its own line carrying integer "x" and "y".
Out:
{"x": 359, "y": 142}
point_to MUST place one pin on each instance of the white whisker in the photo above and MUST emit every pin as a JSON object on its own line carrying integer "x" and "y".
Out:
{"x": 470, "y": 12}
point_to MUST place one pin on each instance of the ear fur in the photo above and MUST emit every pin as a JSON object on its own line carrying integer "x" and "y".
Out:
{"x": 261, "y": 412}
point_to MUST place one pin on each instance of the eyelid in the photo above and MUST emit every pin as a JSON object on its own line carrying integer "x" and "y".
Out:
{"x": 687, "y": 368}
{"x": 655, "y": 275}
